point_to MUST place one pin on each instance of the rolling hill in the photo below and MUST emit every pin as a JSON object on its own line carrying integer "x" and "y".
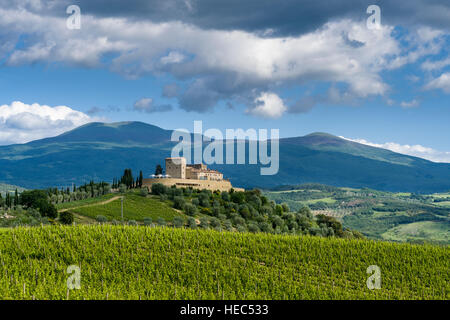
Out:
{"x": 100, "y": 151}
{"x": 7, "y": 188}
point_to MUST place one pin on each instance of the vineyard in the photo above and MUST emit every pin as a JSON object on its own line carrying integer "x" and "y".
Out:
{"x": 135, "y": 208}
{"x": 129, "y": 262}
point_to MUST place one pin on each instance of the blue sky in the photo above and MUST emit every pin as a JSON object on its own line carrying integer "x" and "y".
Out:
{"x": 387, "y": 87}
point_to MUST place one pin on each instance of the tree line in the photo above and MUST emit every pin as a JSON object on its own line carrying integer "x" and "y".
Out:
{"x": 10, "y": 201}
{"x": 128, "y": 181}
{"x": 248, "y": 211}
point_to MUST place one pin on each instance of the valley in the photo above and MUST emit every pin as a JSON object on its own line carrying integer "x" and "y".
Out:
{"x": 377, "y": 214}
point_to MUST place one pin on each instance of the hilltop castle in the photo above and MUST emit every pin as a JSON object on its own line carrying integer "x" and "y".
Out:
{"x": 197, "y": 176}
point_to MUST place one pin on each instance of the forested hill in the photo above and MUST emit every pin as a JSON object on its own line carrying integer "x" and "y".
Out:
{"x": 100, "y": 151}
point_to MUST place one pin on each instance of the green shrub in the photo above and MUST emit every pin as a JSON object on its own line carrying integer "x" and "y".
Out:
{"x": 238, "y": 197}
{"x": 204, "y": 223}
{"x": 178, "y": 202}
{"x": 144, "y": 192}
{"x": 252, "y": 227}
{"x": 225, "y": 196}
{"x": 66, "y": 217}
{"x": 190, "y": 209}
{"x": 228, "y": 225}
{"x": 215, "y": 222}
{"x": 192, "y": 223}
{"x": 204, "y": 200}
{"x": 101, "y": 219}
{"x": 178, "y": 222}
{"x": 159, "y": 188}
{"x": 161, "y": 221}
{"x": 206, "y": 211}
{"x": 331, "y": 223}
{"x": 47, "y": 209}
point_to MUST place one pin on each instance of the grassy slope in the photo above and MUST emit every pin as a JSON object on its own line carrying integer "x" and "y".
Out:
{"x": 425, "y": 230}
{"x": 135, "y": 208}
{"x": 89, "y": 201}
{"x": 121, "y": 262}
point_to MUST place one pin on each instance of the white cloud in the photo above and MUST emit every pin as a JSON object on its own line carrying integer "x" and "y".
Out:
{"x": 442, "y": 82}
{"x": 143, "y": 104}
{"x": 424, "y": 41}
{"x": 412, "y": 150}
{"x": 173, "y": 57}
{"x": 20, "y": 122}
{"x": 268, "y": 105}
{"x": 341, "y": 51}
{"x": 410, "y": 104}
{"x": 413, "y": 78}
{"x": 326, "y": 54}
{"x": 435, "y": 65}
{"x": 148, "y": 105}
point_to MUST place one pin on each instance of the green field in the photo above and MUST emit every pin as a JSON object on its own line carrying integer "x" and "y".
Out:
{"x": 426, "y": 230}
{"x": 135, "y": 207}
{"x": 444, "y": 204}
{"x": 136, "y": 262}
{"x": 326, "y": 200}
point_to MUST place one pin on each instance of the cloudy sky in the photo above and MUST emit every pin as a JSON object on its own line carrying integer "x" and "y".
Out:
{"x": 300, "y": 66}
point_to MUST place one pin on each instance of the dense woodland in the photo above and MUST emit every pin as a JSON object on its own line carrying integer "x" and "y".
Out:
{"x": 248, "y": 211}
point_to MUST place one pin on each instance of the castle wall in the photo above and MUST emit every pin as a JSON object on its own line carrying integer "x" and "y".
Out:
{"x": 223, "y": 185}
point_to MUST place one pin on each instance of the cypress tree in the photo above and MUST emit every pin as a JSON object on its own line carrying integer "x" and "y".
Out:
{"x": 16, "y": 198}
{"x": 158, "y": 170}
{"x": 127, "y": 178}
{"x": 8, "y": 200}
{"x": 141, "y": 179}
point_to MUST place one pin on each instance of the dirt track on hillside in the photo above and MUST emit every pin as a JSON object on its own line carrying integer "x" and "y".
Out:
{"x": 93, "y": 204}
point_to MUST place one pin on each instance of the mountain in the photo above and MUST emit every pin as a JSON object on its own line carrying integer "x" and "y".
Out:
{"x": 7, "y": 188}
{"x": 119, "y": 132}
{"x": 100, "y": 151}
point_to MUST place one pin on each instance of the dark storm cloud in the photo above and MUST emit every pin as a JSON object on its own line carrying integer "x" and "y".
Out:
{"x": 170, "y": 90}
{"x": 284, "y": 17}
{"x": 204, "y": 93}
{"x": 214, "y": 66}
